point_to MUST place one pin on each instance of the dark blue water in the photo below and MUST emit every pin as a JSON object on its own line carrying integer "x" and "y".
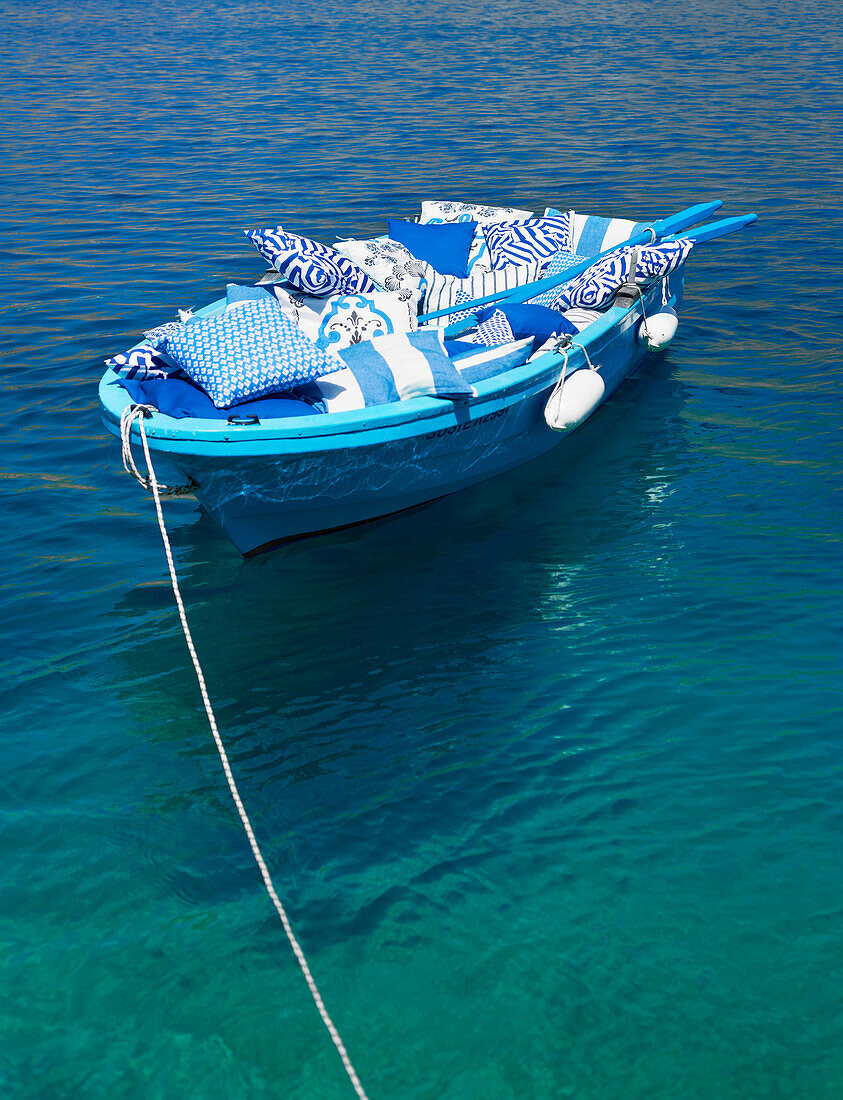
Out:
{"x": 549, "y": 772}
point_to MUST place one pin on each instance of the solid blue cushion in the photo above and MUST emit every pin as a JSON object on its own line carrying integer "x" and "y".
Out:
{"x": 178, "y": 398}
{"x": 444, "y": 246}
{"x": 457, "y": 347}
{"x": 528, "y": 320}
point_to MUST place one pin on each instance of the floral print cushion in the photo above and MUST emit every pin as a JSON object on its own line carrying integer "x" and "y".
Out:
{"x": 388, "y": 263}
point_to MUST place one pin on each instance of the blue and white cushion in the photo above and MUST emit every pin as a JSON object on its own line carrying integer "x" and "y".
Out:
{"x": 493, "y": 332}
{"x": 345, "y": 319}
{"x": 558, "y": 263}
{"x": 158, "y": 334}
{"x": 321, "y": 275}
{"x": 393, "y": 368}
{"x": 592, "y": 234}
{"x": 476, "y": 366}
{"x": 277, "y": 245}
{"x": 351, "y": 318}
{"x": 469, "y": 212}
{"x": 143, "y": 363}
{"x": 389, "y": 263}
{"x": 526, "y": 241}
{"x": 600, "y": 282}
{"x": 310, "y": 266}
{"x": 247, "y": 352}
{"x": 443, "y": 291}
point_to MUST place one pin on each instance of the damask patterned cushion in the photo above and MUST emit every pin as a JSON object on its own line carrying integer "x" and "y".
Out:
{"x": 247, "y": 352}
{"x": 475, "y": 365}
{"x": 445, "y": 247}
{"x": 320, "y": 275}
{"x": 389, "y": 263}
{"x": 445, "y": 290}
{"x": 469, "y": 212}
{"x": 394, "y": 368}
{"x": 352, "y": 318}
{"x": 345, "y": 319}
{"x": 521, "y": 242}
{"x": 558, "y": 263}
{"x": 600, "y": 282}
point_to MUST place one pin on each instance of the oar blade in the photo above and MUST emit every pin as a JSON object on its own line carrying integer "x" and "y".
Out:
{"x": 721, "y": 228}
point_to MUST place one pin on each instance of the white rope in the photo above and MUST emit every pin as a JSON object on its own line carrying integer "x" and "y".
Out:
{"x": 128, "y": 416}
{"x": 563, "y": 346}
{"x": 138, "y": 413}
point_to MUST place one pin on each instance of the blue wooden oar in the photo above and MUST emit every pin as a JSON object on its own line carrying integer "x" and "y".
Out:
{"x": 666, "y": 227}
{"x": 721, "y": 228}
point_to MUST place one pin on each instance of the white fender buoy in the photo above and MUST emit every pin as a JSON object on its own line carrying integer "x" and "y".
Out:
{"x": 577, "y": 397}
{"x": 657, "y": 331}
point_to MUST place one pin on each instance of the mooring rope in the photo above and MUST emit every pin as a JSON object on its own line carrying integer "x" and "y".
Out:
{"x": 137, "y": 413}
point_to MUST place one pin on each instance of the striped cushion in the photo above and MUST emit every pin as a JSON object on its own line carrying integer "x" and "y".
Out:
{"x": 526, "y": 241}
{"x": 477, "y": 365}
{"x": 393, "y": 368}
{"x": 447, "y": 290}
{"x": 320, "y": 275}
{"x": 308, "y": 265}
{"x": 591, "y": 234}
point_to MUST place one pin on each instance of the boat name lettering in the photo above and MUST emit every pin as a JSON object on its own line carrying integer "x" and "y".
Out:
{"x": 466, "y": 425}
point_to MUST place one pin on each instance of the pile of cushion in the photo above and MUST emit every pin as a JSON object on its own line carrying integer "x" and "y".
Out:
{"x": 337, "y": 329}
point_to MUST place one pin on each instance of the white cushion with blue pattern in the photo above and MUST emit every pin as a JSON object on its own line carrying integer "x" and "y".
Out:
{"x": 469, "y": 212}
{"x": 393, "y": 368}
{"x": 142, "y": 363}
{"x": 247, "y": 352}
{"x": 310, "y": 266}
{"x": 277, "y": 245}
{"x": 600, "y": 282}
{"x": 388, "y": 262}
{"x": 320, "y": 275}
{"x": 526, "y": 241}
{"x": 345, "y": 319}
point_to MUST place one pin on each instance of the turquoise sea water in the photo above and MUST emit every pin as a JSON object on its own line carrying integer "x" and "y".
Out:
{"x": 548, "y": 773}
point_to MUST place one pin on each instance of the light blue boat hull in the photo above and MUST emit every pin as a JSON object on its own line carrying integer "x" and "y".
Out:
{"x": 280, "y": 480}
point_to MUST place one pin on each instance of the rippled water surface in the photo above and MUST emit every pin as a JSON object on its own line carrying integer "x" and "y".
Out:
{"x": 549, "y": 772}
